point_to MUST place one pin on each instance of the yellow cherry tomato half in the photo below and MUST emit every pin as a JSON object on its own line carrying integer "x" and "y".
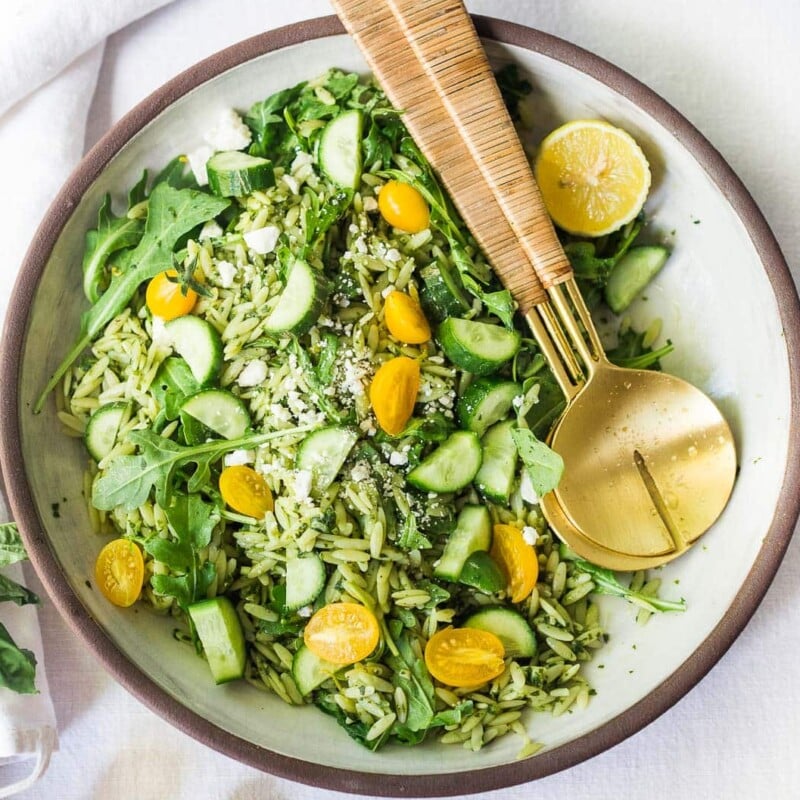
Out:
{"x": 342, "y": 633}
{"x": 403, "y": 207}
{"x": 245, "y": 491}
{"x": 165, "y": 298}
{"x": 393, "y": 393}
{"x": 517, "y": 561}
{"x": 119, "y": 572}
{"x": 464, "y": 656}
{"x": 405, "y": 319}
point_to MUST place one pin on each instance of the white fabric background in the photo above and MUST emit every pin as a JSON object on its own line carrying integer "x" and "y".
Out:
{"x": 734, "y": 70}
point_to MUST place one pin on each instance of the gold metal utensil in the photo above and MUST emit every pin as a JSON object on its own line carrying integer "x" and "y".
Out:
{"x": 649, "y": 460}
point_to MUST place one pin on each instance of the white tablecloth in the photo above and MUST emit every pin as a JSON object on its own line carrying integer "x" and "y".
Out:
{"x": 733, "y": 69}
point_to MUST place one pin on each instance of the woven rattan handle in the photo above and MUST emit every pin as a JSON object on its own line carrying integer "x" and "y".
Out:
{"x": 428, "y": 58}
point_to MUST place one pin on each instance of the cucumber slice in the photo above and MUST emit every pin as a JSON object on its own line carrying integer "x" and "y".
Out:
{"x": 486, "y": 401}
{"x": 305, "y": 579}
{"x": 310, "y": 671}
{"x": 222, "y": 412}
{"x": 495, "y": 478}
{"x": 340, "y": 149}
{"x": 221, "y": 635}
{"x": 473, "y": 532}
{"x": 477, "y": 347}
{"x": 632, "y": 273}
{"x": 442, "y": 294}
{"x": 481, "y": 571}
{"x": 451, "y": 466}
{"x": 301, "y": 302}
{"x": 235, "y": 174}
{"x": 507, "y": 625}
{"x": 199, "y": 344}
{"x": 102, "y": 429}
{"x": 323, "y": 452}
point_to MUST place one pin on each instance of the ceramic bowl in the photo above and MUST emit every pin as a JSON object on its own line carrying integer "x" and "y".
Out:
{"x": 726, "y": 300}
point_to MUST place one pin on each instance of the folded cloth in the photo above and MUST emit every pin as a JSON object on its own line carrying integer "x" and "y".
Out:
{"x": 38, "y": 40}
{"x": 27, "y": 721}
{"x": 50, "y": 57}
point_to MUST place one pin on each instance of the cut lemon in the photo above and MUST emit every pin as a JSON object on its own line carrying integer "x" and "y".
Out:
{"x": 593, "y": 176}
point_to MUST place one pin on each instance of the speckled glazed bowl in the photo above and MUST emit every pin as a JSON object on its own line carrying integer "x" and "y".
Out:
{"x": 727, "y": 302}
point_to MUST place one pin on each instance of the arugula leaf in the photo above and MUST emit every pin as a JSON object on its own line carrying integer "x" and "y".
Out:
{"x": 177, "y": 175}
{"x": 315, "y": 384}
{"x": 329, "y": 347}
{"x": 191, "y": 520}
{"x": 544, "y": 466}
{"x": 17, "y": 666}
{"x": 272, "y": 135}
{"x": 11, "y": 590}
{"x": 411, "y": 675}
{"x": 434, "y": 428}
{"x": 593, "y": 261}
{"x": 542, "y": 404}
{"x": 453, "y": 716}
{"x": 172, "y": 213}
{"x": 501, "y": 303}
{"x": 606, "y": 582}
{"x": 129, "y": 479}
{"x": 630, "y": 351}
{"x": 411, "y": 538}
{"x": 11, "y": 547}
{"x": 174, "y": 382}
{"x": 112, "y": 234}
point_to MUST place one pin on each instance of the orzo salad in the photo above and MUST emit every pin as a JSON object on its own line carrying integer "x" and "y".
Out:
{"x": 316, "y": 427}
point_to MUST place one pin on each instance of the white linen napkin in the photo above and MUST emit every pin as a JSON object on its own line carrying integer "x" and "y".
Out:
{"x": 50, "y": 56}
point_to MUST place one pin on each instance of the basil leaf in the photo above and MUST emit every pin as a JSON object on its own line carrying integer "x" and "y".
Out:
{"x": 17, "y": 666}
{"x": 14, "y": 592}
{"x": 11, "y": 547}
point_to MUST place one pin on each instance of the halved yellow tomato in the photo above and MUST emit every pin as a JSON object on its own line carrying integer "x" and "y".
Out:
{"x": 119, "y": 572}
{"x": 342, "y": 633}
{"x": 464, "y": 656}
{"x": 517, "y": 560}
{"x": 405, "y": 319}
{"x": 245, "y": 491}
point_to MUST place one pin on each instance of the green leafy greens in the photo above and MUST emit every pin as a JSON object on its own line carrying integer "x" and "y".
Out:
{"x": 172, "y": 213}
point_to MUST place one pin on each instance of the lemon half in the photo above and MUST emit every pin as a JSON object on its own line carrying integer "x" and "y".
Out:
{"x": 593, "y": 176}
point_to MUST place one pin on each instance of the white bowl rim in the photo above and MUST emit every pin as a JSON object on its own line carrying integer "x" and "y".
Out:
{"x": 115, "y": 661}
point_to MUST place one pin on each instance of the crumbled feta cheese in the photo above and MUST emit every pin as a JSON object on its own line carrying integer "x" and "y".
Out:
{"x": 296, "y": 403}
{"x": 370, "y": 204}
{"x": 227, "y": 272}
{"x": 305, "y": 612}
{"x": 302, "y": 484}
{"x": 354, "y": 373}
{"x": 360, "y": 245}
{"x": 279, "y": 413}
{"x": 529, "y": 535}
{"x": 518, "y": 401}
{"x": 238, "y": 457}
{"x": 368, "y": 427}
{"x": 292, "y": 183}
{"x": 197, "y": 161}
{"x": 253, "y": 374}
{"x": 211, "y": 230}
{"x": 161, "y": 337}
{"x": 230, "y": 132}
{"x": 398, "y": 458}
{"x": 393, "y": 255}
{"x": 302, "y": 159}
{"x": 526, "y": 490}
{"x": 262, "y": 240}
{"x": 448, "y": 399}
{"x": 360, "y": 472}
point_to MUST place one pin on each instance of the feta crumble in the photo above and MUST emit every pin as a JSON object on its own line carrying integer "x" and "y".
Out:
{"x": 302, "y": 484}
{"x": 160, "y": 336}
{"x": 230, "y": 132}
{"x": 526, "y": 490}
{"x": 529, "y": 535}
{"x": 238, "y": 457}
{"x": 227, "y": 272}
{"x": 198, "y": 158}
{"x": 211, "y": 230}
{"x": 253, "y": 374}
{"x": 262, "y": 240}
{"x": 398, "y": 458}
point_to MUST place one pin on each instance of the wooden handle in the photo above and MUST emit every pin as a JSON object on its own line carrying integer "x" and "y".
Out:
{"x": 428, "y": 58}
